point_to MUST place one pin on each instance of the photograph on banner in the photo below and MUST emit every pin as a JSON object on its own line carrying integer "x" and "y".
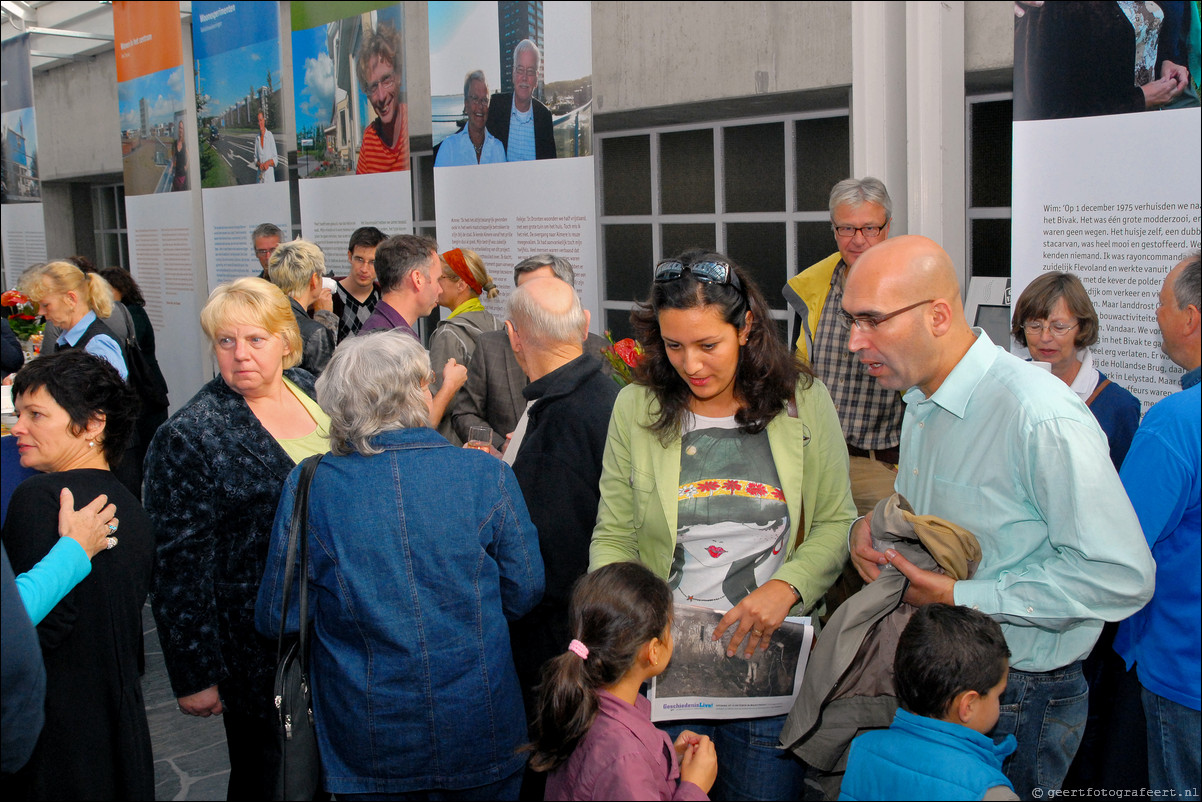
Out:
{"x": 352, "y": 111}
{"x": 702, "y": 682}
{"x": 510, "y": 81}
{"x": 154, "y": 150}
{"x": 239, "y": 115}
{"x": 1081, "y": 59}
{"x": 19, "y": 177}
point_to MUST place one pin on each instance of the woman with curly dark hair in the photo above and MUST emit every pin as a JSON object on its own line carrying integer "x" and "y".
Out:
{"x": 725, "y": 472}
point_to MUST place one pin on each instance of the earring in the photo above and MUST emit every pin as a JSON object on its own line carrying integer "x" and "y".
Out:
{"x": 91, "y": 444}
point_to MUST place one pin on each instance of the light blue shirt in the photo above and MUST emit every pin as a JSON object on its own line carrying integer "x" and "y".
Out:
{"x": 45, "y": 585}
{"x": 1007, "y": 451}
{"x": 101, "y": 345}
{"x": 457, "y": 150}
{"x": 520, "y": 147}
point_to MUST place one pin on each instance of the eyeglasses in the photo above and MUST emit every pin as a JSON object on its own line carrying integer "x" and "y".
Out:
{"x": 476, "y": 100}
{"x": 264, "y": 251}
{"x": 869, "y": 232}
{"x": 1058, "y": 328}
{"x": 525, "y": 72}
{"x": 388, "y": 81}
{"x": 870, "y": 322}
{"x": 705, "y": 272}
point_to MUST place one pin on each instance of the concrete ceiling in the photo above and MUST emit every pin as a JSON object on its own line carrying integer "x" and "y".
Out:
{"x": 62, "y": 30}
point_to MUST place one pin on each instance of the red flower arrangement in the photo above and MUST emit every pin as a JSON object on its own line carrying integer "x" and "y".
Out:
{"x": 624, "y": 356}
{"x": 23, "y": 319}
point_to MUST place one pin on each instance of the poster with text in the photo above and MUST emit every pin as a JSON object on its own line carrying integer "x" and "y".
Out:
{"x": 243, "y": 172}
{"x": 352, "y": 121}
{"x": 24, "y": 229}
{"x": 1106, "y": 170}
{"x": 159, "y": 203}
{"x": 511, "y": 99}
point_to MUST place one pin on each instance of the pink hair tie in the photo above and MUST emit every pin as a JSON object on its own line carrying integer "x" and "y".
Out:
{"x": 579, "y": 649}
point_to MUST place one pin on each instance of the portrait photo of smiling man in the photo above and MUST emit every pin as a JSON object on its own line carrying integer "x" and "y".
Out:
{"x": 519, "y": 119}
{"x": 385, "y": 145}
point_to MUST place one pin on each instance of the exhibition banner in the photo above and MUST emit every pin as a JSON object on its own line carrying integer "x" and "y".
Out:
{"x": 511, "y": 100}
{"x": 24, "y": 229}
{"x": 160, "y": 162}
{"x": 1106, "y": 171}
{"x": 352, "y": 120}
{"x": 240, "y": 122}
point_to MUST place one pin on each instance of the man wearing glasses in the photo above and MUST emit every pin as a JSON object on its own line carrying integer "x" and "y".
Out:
{"x": 519, "y": 119}
{"x": 385, "y": 147}
{"x": 870, "y": 415}
{"x": 265, "y": 239}
{"x": 1007, "y": 451}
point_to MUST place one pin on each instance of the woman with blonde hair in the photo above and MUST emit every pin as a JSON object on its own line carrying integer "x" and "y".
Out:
{"x": 74, "y": 301}
{"x": 214, "y": 474}
{"x": 464, "y": 278}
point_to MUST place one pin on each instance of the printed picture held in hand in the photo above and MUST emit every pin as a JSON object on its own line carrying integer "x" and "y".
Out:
{"x": 702, "y": 682}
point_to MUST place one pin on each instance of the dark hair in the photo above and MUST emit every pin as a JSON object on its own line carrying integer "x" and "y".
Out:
{"x": 397, "y": 256}
{"x": 767, "y": 375}
{"x": 366, "y": 237}
{"x": 82, "y": 262}
{"x": 86, "y": 387}
{"x": 263, "y": 230}
{"x": 614, "y": 611}
{"x": 1041, "y": 295}
{"x": 944, "y": 651}
{"x": 124, "y": 283}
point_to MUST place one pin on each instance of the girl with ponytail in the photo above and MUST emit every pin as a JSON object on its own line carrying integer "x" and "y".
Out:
{"x": 593, "y": 732}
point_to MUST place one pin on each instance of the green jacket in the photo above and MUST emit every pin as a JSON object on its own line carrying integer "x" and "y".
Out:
{"x": 636, "y": 518}
{"x": 806, "y": 295}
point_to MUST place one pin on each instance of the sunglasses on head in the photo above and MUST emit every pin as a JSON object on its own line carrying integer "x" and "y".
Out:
{"x": 705, "y": 272}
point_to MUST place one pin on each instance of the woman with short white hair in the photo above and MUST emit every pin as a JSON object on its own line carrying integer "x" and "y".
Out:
{"x": 412, "y": 587}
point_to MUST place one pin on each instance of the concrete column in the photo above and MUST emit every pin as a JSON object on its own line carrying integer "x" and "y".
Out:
{"x": 878, "y": 100}
{"x": 935, "y": 121}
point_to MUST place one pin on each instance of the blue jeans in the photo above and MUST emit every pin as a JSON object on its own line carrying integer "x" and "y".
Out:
{"x": 1045, "y": 712}
{"x": 751, "y": 762}
{"x": 1174, "y": 743}
{"x": 506, "y": 789}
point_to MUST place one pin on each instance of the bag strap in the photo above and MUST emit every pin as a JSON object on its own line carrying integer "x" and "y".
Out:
{"x": 298, "y": 532}
{"x": 1097, "y": 391}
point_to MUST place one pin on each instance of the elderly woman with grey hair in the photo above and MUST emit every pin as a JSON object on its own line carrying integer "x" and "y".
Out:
{"x": 471, "y": 144}
{"x": 412, "y": 588}
{"x": 297, "y": 268}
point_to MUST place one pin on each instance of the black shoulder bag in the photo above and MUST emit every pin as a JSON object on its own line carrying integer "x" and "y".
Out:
{"x": 299, "y": 774}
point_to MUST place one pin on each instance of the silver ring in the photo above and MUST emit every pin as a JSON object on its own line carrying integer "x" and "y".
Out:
{"x": 112, "y": 528}
{"x": 110, "y": 542}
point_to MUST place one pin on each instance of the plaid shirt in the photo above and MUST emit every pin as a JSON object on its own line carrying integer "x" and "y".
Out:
{"x": 870, "y": 415}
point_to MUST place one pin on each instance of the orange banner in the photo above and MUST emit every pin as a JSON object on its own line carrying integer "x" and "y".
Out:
{"x": 147, "y": 37}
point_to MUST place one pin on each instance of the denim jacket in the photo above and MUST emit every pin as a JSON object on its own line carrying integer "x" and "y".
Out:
{"x": 418, "y": 557}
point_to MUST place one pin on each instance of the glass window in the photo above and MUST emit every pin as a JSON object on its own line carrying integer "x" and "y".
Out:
{"x": 754, "y": 162}
{"x": 678, "y": 237}
{"x": 628, "y": 261}
{"x": 626, "y": 175}
{"x": 990, "y": 240}
{"x": 760, "y": 249}
{"x": 686, "y": 165}
{"x": 815, "y": 242}
{"x": 992, "y": 142}
{"x": 823, "y": 160}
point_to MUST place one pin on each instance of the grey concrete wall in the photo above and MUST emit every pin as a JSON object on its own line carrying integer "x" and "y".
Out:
{"x": 666, "y": 53}
{"x": 79, "y": 130}
{"x": 988, "y": 35}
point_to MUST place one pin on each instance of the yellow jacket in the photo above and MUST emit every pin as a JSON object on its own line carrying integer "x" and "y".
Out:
{"x": 806, "y": 294}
